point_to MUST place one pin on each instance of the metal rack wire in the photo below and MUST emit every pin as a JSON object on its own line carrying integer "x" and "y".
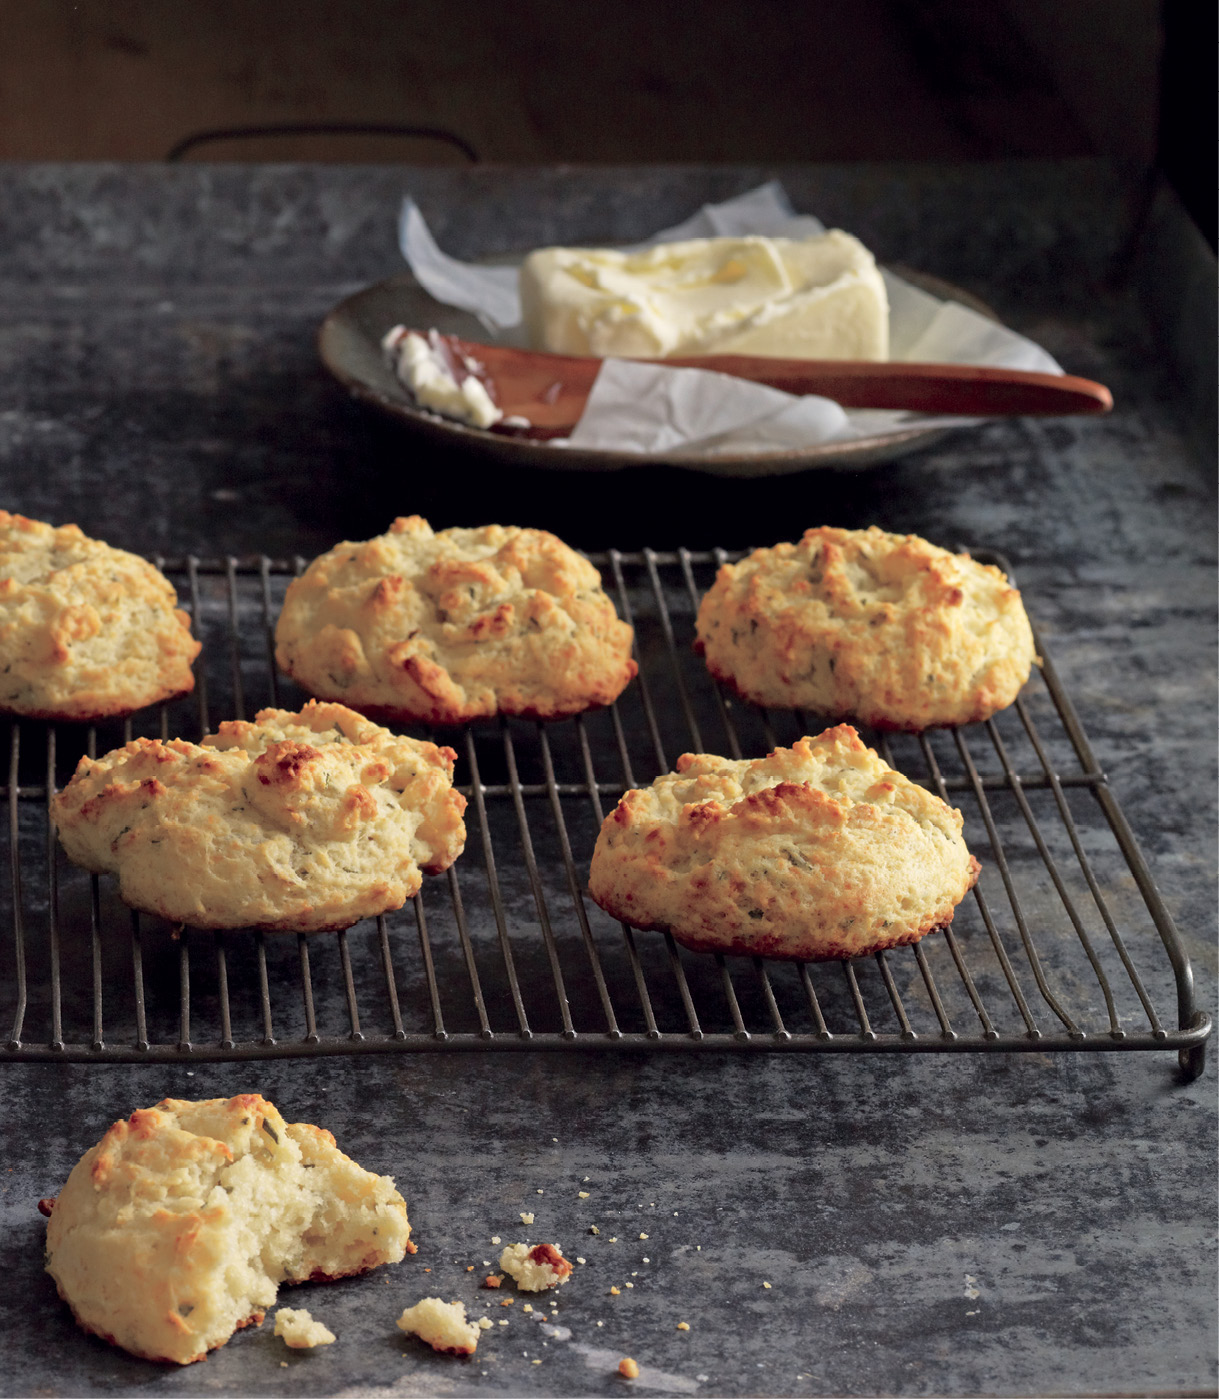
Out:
{"x": 1065, "y": 943}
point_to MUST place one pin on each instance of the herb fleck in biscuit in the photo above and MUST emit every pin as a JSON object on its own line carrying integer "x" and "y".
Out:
{"x": 177, "y": 1228}
{"x": 454, "y": 626}
{"x": 884, "y": 628}
{"x": 87, "y": 632}
{"x": 814, "y": 852}
{"x": 295, "y": 823}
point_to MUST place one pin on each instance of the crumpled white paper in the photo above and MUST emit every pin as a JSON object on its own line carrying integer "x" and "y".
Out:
{"x": 650, "y": 408}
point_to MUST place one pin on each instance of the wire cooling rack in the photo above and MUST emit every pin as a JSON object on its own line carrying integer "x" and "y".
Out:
{"x": 1064, "y": 944}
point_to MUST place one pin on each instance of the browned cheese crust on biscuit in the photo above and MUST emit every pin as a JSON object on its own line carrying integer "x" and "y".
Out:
{"x": 298, "y": 822}
{"x": 464, "y": 624}
{"x": 87, "y": 632}
{"x": 883, "y": 628}
{"x": 178, "y": 1227}
{"x": 814, "y": 852}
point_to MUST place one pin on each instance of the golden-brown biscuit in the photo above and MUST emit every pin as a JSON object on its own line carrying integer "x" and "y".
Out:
{"x": 298, "y": 822}
{"x": 883, "y": 628}
{"x": 814, "y": 852}
{"x": 87, "y": 632}
{"x": 454, "y": 626}
{"x": 177, "y": 1228}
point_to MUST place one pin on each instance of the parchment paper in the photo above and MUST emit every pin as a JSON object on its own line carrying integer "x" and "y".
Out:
{"x": 636, "y": 407}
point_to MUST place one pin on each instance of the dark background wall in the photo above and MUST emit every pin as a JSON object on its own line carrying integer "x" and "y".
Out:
{"x": 553, "y": 80}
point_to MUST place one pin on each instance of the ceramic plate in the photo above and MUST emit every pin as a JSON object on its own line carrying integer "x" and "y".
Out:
{"x": 350, "y": 346}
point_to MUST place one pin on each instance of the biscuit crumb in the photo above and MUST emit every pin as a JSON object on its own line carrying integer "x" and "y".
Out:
{"x": 583, "y": 1194}
{"x": 283, "y": 1364}
{"x": 492, "y": 1280}
{"x": 495, "y": 1238}
{"x": 298, "y": 1329}
{"x": 541, "y": 1192}
{"x": 470, "y": 1269}
{"x": 527, "y": 1217}
{"x": 592, "y": 1229}
{"x": 527, "y": 1307}
{"x": 683, "y": 1326}
{"x": 766, "y": 1285}
{"x": 615, "y": 1292}
{"x": 535, "y": 1269}
{"x": 412, "y": 1246}
{"x": 628, "y": 1369}
{"x": 508, "y": 1302}
{"x": 581, "y": 1260}
{"x": 441, "y": 1325}
{"x": 630, "y": 1284}
{"x": 483, "y": 1323}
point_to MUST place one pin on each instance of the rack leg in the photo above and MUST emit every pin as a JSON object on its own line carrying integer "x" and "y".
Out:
{"x": 1193, "y": 1059}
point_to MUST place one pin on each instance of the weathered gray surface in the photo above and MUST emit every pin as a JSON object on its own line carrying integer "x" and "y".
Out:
{"x": 159, "y": 387}
{"x": 876, "y": 1196}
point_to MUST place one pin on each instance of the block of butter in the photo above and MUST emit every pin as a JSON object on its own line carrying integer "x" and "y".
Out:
{"x": 797, "y": 298}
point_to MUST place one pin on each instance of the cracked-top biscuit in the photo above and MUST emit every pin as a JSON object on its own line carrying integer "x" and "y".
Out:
{"x": 178, "y": 1227}
{"x": 87, "y": 632}
{"x": 814, "y": 852}
{"x": 460, "y": 625}
{"x": 298, "y": 822}
{"x": 883, "y": 628}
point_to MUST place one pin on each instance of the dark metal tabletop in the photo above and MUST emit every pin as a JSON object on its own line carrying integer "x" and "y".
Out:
{"x": 998, "y": 1224}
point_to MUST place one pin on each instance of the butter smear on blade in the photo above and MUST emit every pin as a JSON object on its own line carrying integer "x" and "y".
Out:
{"x": 437, "y": 380}
{"x": 788, "y": 298}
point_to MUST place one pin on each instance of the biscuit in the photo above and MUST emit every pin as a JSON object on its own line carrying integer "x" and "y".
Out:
{"x": 817, "y": 851}
{"x": 87, "y": 632}
{"x": 464, "y": 624}
{"x": 883, "y": 628}
{"x": 177, "y": 1228}
{"x": 298, "y": 822}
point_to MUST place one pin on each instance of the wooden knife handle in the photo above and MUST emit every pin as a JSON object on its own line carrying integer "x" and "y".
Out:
{"x": 965, "y": 389}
